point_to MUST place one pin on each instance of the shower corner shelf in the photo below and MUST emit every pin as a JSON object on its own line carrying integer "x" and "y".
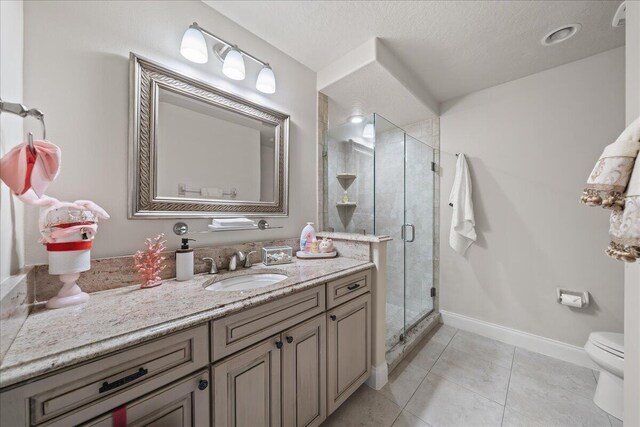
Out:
{"x": 346, "y": 176}
{"x": 347, "y": 205}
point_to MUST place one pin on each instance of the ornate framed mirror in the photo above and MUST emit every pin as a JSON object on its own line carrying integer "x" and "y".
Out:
{"x": 196, "y": 151}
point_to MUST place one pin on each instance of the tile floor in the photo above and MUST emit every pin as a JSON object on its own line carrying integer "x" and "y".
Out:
{"x": 459, "y": 379}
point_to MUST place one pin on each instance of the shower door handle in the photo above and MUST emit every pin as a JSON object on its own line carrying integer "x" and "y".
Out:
{"x": 403, "y": 234}
{"x": 413, "y": 233}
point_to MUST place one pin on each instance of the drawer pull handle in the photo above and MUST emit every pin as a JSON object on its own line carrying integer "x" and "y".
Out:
{"x": 333, "y": 317}
{"x": 106, "y": 386}
{"x": 289, "y": 340}
{"x": 203, "y": 384}
{"x": 354, "y": 286}
{"x": 279, "y": 344}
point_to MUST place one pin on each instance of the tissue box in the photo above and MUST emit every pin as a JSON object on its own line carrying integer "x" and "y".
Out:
{"x": 273, "y": 255}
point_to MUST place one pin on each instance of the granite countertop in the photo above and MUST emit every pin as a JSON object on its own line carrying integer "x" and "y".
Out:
{"x": 370, "y": 238}
{"x": 115, "y": 319}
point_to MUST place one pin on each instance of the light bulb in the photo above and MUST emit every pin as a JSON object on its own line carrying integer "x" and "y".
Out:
{"x": 193, "y": 46}
{"x": 356, "y": 119}
{"x": 369, "y": 131}
{"x": 233, "y": 66}
{"x": 266, "y": 82}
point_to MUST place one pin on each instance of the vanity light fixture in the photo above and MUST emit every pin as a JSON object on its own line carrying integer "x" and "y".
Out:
{"x": 266, "y": 82}
{"x": 233, "y": 65}
{"x": 194, "y": 48}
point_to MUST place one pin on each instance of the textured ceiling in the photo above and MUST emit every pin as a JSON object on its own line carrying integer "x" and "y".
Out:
{"x": 455, "y": 47}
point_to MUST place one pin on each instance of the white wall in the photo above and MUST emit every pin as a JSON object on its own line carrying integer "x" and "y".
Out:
{"x": 632, "y": 271}
{"x": 77, "y": 72}
{"x": 531, "y": 144}
{"x": 11, "y": 134}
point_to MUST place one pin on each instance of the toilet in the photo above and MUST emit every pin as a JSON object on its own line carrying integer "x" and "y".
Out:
{"x": 606, "y": 349}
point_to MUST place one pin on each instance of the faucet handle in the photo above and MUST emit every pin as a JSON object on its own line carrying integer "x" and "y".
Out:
{"x": 214, "y": 267}
{"x": 247, "y": 261}
{"x": 233, "y": 262}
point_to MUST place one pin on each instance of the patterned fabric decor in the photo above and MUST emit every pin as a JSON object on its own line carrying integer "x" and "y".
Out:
{"x": 614, "y": 184}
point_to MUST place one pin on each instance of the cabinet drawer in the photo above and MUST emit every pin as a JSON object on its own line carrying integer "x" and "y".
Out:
{"x": 345, "y": 289}
{"x": 240, "y": 330}
{"x": 91, "y": 389}
{"x": 184, "y": 403}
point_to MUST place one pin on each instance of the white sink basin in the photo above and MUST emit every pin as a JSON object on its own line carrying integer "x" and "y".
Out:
{"x": 246, "y": 282}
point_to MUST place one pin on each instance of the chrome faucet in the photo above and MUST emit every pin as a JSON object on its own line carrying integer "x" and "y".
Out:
{"x": 237, "y": 259}
{"x": 247, "y": 261}
{"x": 240, "y": 259}
{"x": 214, "y": 267}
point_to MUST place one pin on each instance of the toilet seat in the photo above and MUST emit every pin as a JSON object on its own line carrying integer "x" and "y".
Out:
{"x": 610, "y": 342}
{"x": 607, "y": 350}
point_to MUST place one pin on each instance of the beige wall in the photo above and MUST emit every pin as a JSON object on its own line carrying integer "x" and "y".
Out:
{"x": 632, "y": 272}
{"x": 11, "y": 134}
{"x": 77, "y": 72}
{"x": 531, "y": 144}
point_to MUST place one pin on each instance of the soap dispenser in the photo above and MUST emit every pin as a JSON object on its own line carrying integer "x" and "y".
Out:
{"x": 184, "y": 261}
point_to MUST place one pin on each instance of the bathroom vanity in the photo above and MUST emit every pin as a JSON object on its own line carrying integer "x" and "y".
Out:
{"x": 287, "y": 354}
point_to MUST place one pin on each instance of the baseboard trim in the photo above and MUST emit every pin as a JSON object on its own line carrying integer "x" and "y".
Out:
{"x": 548, "y": 347}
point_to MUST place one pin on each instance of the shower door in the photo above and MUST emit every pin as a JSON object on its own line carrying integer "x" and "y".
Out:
{"x": 418, "y": 231}
{"x": 404, "y": 183}
{"x": 389, "y": 160}
{"x": 381, "y": 182}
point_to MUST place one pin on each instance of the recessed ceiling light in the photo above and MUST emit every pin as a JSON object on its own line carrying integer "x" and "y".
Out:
{"x": 560, "y": 34}
{"x": 355, "y": 118}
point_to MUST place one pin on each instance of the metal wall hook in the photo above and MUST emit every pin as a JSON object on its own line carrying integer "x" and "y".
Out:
{"x": 39, "y": 115}
{"x": 22, "y": 111}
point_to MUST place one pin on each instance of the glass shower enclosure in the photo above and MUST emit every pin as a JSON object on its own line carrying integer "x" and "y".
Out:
{"x": 380, "y": 180}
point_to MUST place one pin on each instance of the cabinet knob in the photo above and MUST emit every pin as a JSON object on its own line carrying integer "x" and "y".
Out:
{"x": 333, "y": 317}
{"x": 203, "y": 384}
{"x": 279, "y": 344}
{"x": 289, "y": 340}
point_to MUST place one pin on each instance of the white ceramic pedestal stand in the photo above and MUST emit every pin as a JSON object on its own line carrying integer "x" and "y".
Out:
{"x": 68, "y": 265}
{"x": 70, "y": 294}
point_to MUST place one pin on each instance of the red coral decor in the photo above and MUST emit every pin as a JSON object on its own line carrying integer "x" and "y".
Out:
{"x": 150, "y": 262}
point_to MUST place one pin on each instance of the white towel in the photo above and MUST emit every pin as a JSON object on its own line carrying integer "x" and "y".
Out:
{"x": 463, "y": 223}
{"x": 232, "y": 222}
{"x": 211, "y": 192}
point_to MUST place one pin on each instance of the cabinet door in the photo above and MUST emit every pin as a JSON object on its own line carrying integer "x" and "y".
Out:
{"x": 184, "y": 403}
{"x": 348, "y": 349}
{"x": 247, "y": 387}
{"x": 304, "y": 376}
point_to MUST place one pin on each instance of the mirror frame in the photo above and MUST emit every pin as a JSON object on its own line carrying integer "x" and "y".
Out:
{"x": 146, "y": 79}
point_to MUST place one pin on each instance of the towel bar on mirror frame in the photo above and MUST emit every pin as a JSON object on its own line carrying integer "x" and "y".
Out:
{"x": 22, "y": 111}
{"x": 181, "y": 228}
{"x": 183, "y": 190}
